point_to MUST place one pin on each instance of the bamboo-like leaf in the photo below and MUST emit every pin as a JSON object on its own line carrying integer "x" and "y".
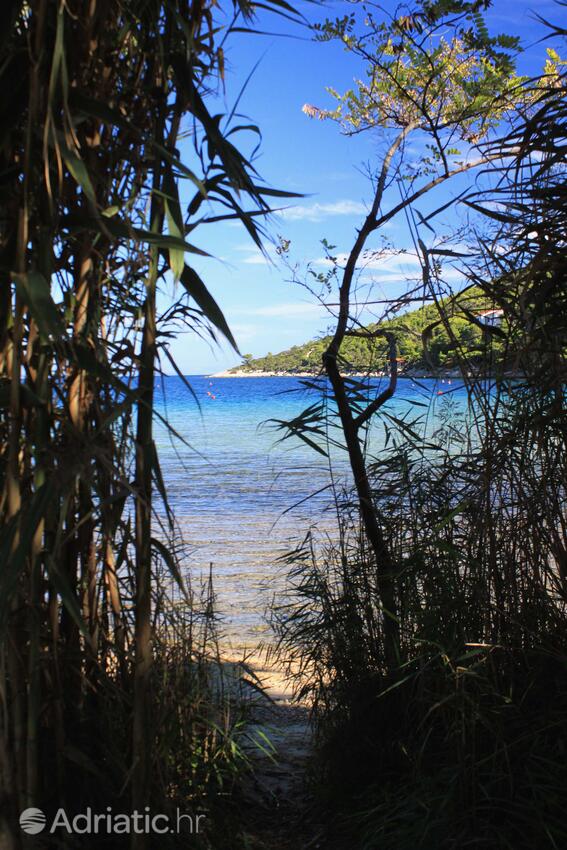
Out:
{"x": 121, "y": 229}
{"x": 174, "y": 161}
{"x": 170, "y": 562}
{"x": 161, "y": 484}
{"x": 81, "y": 759}
{"x": 183, "y": 378}
{"x": 448, "y": 518}
{"x": 203, "y": 298}
{"x": 13, "y": 561}
{"x": 8, "y": 15}
{"x": 12, "y": 564}
{"x": 174, "y": 221}
{"x": 35, "y": 291}
{"x": 77, "y": 169}
{"x": 405, "y": 427}
{"x": 95, "y": 109}
{"x": 4, "y": 393}
{"x": 494, "y": 214}
{"x": 86, "y": 359}
{"x": 446, "y": 252}
{"x": 235, "y": 165}
{"x": 301, "y": 425}
{"x": 268, "y": 192}
{"x": 68, "y": 597}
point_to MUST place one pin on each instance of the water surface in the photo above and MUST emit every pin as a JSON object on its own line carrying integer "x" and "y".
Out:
{"x": 241, "y": 498}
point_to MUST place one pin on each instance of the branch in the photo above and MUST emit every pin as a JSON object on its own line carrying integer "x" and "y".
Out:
{"x": 390, "y": 389}
{"x": 436, "y": 182}
{"x": 367, "y": 228}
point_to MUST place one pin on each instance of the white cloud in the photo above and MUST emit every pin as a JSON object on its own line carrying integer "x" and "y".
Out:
{"x": 256, "y": 260}
{"x": 244, "y": 247}
{"x": 290, "y": 311}
{"x": 389, "y": 262}
{"x": 317, "y": 211}
{"x": 243, "y": 332}
{"x": 392, "y": 266}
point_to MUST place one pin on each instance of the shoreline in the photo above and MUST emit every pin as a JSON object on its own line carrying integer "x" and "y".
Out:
{"x": 450, "y": 374}
{"x": 257, "y": 374}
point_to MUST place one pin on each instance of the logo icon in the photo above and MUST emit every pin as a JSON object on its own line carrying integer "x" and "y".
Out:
{"x": 32, "y": 821}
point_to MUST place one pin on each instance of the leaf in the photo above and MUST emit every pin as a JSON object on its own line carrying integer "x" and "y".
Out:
{"x": 182, "y": 377}
{"x": 78, "y": 757}
{"x": 96, "y": 109}
{"x": 8, "y": 15}
{"x": 34, "y": 289}
{"x": 211, "y": 219}
{"x": 174, "y": 221}
{"x": 448, "y": 518}
{"x": 161, "y": 485}
{"x": 446, "y": 252}
{"x": 423, "y": 220}
{"x": 497, "y": 216}
{"x": 112, "y": 117}
{"x": 299, "y": 428}
{"x": 12, "y": 563}
{"x": 121, "y": 229}
{"x": 473, "y": 653}
{"x": 68, "y": 596}
{"x": 231, "y": 202}
{"x": 77, "y": 169}
{"x": 184, "y": 171}
{"x": 86, "y": 359}
{"x": 278, "y": 193}
{"x": 203, "y": 298}
{"x": 5, "y": 392}
{"x": 170, "y": 562}
{"x": 14, "y": 560}
{"x": 276, "y": 7}
{"x": 233, "y": 162}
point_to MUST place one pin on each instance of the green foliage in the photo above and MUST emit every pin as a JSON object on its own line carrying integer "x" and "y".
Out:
{"x": 93, "y": 100}
{"x": 425, "y": 344}
{"x": 415, "y": 75}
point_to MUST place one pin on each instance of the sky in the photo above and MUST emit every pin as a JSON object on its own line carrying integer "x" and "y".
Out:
{"x": 265, "y": 309}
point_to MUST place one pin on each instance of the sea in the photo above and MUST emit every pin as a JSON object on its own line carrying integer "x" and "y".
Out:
{"x": 244, "y": 495}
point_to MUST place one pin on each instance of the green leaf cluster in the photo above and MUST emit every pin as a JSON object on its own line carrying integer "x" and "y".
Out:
{"x": 425, "y": 342}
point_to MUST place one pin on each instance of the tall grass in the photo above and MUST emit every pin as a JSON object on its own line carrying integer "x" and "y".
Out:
{"x": 462, "y": 742}
{"x": 464, "y": 745}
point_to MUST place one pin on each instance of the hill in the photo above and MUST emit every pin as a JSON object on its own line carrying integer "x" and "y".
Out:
{"x": 425, "y": 343}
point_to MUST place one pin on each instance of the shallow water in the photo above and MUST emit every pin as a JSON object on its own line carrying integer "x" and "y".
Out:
{"x": 241, "y": 499}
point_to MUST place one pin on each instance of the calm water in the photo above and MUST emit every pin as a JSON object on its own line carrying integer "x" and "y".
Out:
{"x": 241, "y": 498}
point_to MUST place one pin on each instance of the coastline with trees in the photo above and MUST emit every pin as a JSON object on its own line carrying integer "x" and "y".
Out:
{"x": 426, "y": 347}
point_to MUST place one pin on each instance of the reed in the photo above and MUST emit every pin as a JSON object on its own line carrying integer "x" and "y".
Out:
{"x": 94, "y": 661}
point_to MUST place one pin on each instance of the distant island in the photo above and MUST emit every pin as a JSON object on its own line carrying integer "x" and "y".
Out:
{"x": 426, "y": 344}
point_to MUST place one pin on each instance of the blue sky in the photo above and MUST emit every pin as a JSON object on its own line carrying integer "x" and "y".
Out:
{"x": 265, "y": 311}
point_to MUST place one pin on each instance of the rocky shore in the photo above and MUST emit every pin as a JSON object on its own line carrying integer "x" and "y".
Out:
{"x": 410, "y": 373}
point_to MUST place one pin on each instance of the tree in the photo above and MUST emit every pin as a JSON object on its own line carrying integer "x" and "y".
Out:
{"x": 435, "y": 75}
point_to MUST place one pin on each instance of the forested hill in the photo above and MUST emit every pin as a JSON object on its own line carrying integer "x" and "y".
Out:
{"x": 424, "y": 342}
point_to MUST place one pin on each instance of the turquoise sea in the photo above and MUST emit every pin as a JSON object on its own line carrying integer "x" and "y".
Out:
{"x": 241, "y": 498}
